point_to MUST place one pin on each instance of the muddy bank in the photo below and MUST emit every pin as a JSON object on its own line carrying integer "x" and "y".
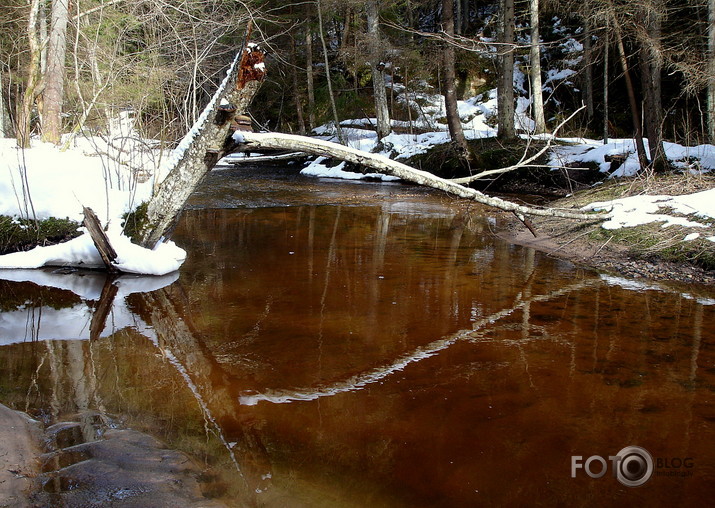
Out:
{"x": 646, "y": 252}
{"x": 88, "y": 463}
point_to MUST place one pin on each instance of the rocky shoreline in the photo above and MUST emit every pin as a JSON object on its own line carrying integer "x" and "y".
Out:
{"x": 86, "y": 463}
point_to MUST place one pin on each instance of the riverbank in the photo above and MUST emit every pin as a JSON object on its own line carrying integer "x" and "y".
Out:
{"x": 649, "y": 251}
{"x": 85, "y": 464}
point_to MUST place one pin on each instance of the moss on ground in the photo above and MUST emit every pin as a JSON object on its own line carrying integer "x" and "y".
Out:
{"x": 24, "y": 234}
{"x": 648, "y": 242}
{"x": 136, "y": 222}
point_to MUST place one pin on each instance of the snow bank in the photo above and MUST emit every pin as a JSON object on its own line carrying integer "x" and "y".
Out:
{"x": 639, "y": 210}
{"x": 81, "y": 253}
{"x": 319, "y": 169}
{"x": 28, "y": 323}
{"x": 45, "y": 182}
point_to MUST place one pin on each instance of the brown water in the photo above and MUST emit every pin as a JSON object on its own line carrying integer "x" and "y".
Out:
{"x": 375, "y": 345}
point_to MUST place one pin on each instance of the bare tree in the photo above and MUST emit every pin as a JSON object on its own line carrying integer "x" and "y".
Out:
{"x": 326, "y": 59}
{"x": 377, "y": 68}
{"x": 449, "y": 77}
{"x": 711, "y": 71}
{"x": 32, "y": 85}
{"x": 651, "y": 63}
{"x": 537, "y": 99}
{"x": 310, "y": 87}
{"x": 505, "y": 83}
{"x": 55, "y": 73}
{"x": 5, "y": 121}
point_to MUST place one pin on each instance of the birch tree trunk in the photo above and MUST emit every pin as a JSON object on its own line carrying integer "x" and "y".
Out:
{"x": 588, "y": 70}
{"x": 250, "y": 141}
{"x": 201, "y": 148}
{"x": 55, "y": 75}
{"x": 505, "y": 82}
{"x": 377, "y": 68}
{"x": 537, "y": 99}
{"x": 297, "y": 95}
{"x": 606, "y": 49}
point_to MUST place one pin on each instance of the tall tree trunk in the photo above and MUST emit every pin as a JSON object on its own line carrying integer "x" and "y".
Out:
{"x": 55, "y": 75}
{"x": 651, "y": 70}
{"x": 537, "y": 99}
{"x": 635, "y": 110}
{"x": 711, "y": 71}
{"x": 32, "y": 87}
{"x": 505, "y": 82}
{"x": 377, "y": 68}
{"x": 297, "y": 95}
{"x": 5, "y": 122}
{"x": 309, "y": 77}
{"x": 588, "y": 71}
{"x": 454, "y": 124}
{"x": 606, "y": 52}
{"x": 333, "y": 106}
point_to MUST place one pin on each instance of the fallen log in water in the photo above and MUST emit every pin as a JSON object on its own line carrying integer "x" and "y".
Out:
{"x": 212, "y": 138}
{"x": 247, "y": 141}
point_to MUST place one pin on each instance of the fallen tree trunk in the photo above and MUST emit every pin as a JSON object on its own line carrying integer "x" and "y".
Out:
{"x": 247, "y": 141}
{"x": 212, "y": 138}
{"x": 100, "y": 240}
{"x": 201, "y": 148}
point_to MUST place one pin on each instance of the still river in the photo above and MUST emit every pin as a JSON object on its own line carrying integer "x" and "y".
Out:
{"x": 372, "y": 344}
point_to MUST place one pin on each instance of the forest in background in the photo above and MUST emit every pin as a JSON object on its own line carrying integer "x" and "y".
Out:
{"x": 641, "y": 69}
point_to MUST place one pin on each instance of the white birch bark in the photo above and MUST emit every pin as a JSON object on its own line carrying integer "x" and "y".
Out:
{"x": 55, "y": 75}
{"x": 537, "y": 99}
{"x": 249, "y": 141}
{"x": 378, "y": 73}
{"x": 197, "y": 153}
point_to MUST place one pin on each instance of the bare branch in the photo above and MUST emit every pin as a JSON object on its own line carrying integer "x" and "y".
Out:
{"x": 524, "y": 162}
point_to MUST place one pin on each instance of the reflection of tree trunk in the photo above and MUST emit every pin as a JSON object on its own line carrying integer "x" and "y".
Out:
{"x": 697, "y": 340}
{"x": 363, "y": 379}
{"x": 214, "y": 393}
{"x": 104, "y": 306}
{"x": 80, "y": 374}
